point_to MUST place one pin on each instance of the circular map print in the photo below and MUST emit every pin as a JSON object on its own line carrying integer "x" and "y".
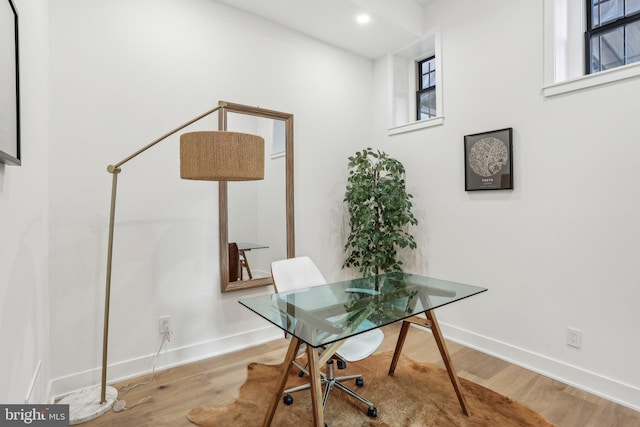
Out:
{"x": 488, "y": 156}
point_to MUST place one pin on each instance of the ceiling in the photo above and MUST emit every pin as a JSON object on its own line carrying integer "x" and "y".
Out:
{"x": 394, "y": 24}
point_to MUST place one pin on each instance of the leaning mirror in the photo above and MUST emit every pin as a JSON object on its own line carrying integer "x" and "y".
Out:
{"x": 256, "y": 217}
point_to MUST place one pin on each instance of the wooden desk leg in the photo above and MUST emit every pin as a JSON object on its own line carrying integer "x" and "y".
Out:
{"x": 444, "y": 352}
{"x": 294, "y": 345}
{"x": 396, "y": 354}
{"x": 245, "y": 262}
{"x": 316, "y": 386}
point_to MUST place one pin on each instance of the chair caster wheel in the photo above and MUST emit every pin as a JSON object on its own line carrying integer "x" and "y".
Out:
{"x": 372, "y": 412}
{"x": 342, "y": 364}
{"x": 287, "y": 399}
{"x": 359, "y": 382}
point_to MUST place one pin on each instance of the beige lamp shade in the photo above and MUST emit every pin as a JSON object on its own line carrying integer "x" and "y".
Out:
{"x": 221, "y": 156}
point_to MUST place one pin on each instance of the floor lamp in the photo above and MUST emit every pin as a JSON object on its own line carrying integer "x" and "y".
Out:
{"x": 204, "y": 155}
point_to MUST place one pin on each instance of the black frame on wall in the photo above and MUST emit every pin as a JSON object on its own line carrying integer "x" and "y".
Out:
{"x": 9, "y": 72}
{"x": 488, "y": 160}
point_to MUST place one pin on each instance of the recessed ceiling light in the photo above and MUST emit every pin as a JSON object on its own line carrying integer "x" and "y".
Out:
{"x": 363, "y": 18}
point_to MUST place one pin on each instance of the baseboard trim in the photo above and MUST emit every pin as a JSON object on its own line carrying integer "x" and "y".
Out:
{"x": 143, "y": 365}
{"x": 591, "y": 382}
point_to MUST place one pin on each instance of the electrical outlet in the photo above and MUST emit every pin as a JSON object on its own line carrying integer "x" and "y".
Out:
{"x": 574, "y": 338}
{"x": 164, "y": 326}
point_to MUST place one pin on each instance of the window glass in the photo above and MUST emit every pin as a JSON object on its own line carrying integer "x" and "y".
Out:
{"x": 633, "y": 42}
{"x": 432, "y": 103}
{"x": 427, "y": 104}
{"x": 428, "y": 73}
{"x": 612, "y": 49}
{"x": 632, "y": 6}
{"x": 614, "y": 34}
{"x": 595, "y": 54}
{"x": 606, "y": 11}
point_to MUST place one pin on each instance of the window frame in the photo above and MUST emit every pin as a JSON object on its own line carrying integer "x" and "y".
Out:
{"x": 590, "y": 32}
{"x": 431, "y": 88}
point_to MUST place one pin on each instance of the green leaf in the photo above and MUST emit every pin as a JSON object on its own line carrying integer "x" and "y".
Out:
{"x": 379, "y": 212}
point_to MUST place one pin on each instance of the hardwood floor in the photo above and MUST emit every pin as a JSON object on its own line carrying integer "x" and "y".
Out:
{"x": 175, "y": 391}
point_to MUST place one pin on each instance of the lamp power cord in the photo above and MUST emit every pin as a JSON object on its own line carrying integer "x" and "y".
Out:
{"x": 121, "y": 404}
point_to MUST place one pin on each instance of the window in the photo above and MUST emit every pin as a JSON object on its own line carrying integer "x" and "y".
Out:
{"x": 612, "y": 38}
{"x": 406, "y": 81}
{"x": 426, "y": 93}
{"x": 569, "y": 35}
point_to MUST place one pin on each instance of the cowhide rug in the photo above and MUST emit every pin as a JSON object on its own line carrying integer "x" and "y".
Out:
{"x": 418, "y": 395}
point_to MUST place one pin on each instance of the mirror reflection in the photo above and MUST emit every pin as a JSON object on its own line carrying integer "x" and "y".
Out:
{"x": 256, "y": 209}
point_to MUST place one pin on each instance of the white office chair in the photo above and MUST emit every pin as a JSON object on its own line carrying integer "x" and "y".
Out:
{"x": 299, "y": 273}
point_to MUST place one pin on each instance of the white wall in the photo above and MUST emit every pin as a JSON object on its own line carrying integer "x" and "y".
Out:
{"x": 23, "y": 223}
{"x": 560, "y": 250}
{"x": 123, "y": 73}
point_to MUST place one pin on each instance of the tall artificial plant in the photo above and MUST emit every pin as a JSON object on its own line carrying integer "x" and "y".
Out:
{"x": 379, "y": 213}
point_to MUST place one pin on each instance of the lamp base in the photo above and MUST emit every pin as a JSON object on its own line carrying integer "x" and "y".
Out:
{"x": 84, "y": 405}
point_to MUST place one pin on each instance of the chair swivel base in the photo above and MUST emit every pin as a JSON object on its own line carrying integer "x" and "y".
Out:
{"x": 329, "y": 381}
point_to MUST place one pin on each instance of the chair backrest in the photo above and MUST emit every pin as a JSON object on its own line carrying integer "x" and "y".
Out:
{"x": 234, "y": 262}
{"x": 295, "y": 273}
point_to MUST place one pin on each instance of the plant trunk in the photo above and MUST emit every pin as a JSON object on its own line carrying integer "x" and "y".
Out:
{"x": 378, "y": 225}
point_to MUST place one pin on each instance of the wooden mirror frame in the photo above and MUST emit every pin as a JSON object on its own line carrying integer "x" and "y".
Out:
{"x": 223, "y": 204}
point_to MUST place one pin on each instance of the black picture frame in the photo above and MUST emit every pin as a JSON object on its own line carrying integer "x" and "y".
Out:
{"x": 9, "y": 92}
{"x": 488, "y": 160}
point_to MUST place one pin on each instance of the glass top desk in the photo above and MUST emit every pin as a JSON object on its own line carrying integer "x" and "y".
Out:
{"x": 323, "y": 316}
{"x": 243, "y": 248}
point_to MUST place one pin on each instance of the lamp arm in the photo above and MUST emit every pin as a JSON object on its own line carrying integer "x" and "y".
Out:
{"x": 115, "y": 170}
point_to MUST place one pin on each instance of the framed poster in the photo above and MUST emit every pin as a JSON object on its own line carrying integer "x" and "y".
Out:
{"x": 9, "y": 85}
{"x": 488, "y": 160}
